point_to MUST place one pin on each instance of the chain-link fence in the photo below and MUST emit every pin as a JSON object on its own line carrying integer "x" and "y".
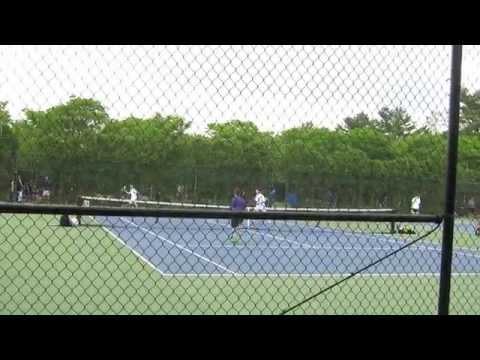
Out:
{"x": 121, "y": 165}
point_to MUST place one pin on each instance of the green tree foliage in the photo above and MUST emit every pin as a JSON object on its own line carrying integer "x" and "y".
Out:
{"x": 243, "y": 154}
{"x": 141, "y": 151}
{"x": 396, "y": 122}
{"x": 61, "y": 141}
{"x": 364, "y": 161}
{"x": 469, "y": 156}
{"x": 8, "y": 146}
{"x": 359, "y": 121}
{"x": 7, "y": 138}
{"x": 470, "y": 111}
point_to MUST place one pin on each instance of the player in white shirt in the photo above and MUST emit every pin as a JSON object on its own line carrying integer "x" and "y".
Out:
{"x": 133, "y": 196}
{"x": 260, "y": 206}
{"x": 416, "y": 203}
{"x": 260, "y": 201}
{"x": 414, "y": 209}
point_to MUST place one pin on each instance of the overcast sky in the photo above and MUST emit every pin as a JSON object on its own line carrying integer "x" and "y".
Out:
{"x": 276, "y": 87}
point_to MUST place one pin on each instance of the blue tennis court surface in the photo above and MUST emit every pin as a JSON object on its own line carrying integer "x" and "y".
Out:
{"x": 204, "y": 246}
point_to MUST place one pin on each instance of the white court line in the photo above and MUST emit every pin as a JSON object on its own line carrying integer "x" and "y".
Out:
{"x": 423, "y": 247}
{"x": 290, "y": 241}
{"x": 319, "y": 275}
{"x": 182, "y": 247}
{"x": 286, "y": 247}
{"x": 419, "y": 247}
{"x": 133, "y": 250}
{"x": 464, "y": 249}
{"x": 300, "y": 245}
{"x": 431, "y": 248}
{"x": 314, "y": 229}
{"x": 398, "y": 240}
{"x": 381, "y": 238}
{"x": 295, "y": 242}
{"x": 278, "y": 274}
{"x": 308, "y": 246}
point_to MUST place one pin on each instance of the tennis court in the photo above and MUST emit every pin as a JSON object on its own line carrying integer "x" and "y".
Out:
{"x": 120, "y": 192}
{"x": 174, "y": 246}
{"x": 99, "y": 273}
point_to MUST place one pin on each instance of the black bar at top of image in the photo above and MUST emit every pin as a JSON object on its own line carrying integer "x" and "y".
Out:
{"x": 451, "y": 179}
{"x": 214, "y": 214}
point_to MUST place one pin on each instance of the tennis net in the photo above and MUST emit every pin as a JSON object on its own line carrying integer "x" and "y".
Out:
{"x": 223, "y": 224}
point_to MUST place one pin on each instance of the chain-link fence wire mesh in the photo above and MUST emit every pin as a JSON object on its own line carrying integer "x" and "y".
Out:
{"x": 318, "y": 122}
{"x": 326, "y": 127}
{"x": 186, "y": 265}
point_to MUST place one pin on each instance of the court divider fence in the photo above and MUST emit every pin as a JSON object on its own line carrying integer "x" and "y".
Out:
{"x": 74, "y": 259}
{"x": 188, "y": 261}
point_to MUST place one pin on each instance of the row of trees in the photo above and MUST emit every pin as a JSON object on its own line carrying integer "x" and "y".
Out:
{"x": 364, "y": 161}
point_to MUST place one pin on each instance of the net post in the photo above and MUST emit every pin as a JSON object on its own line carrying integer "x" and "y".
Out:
{"x": 392, "y": 227}
{"x": 450, "y": 187}
{"x": 392, "y": 224}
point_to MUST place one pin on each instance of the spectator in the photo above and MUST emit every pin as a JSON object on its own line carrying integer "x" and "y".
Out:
{"x": 20, "y": 188}
{"x": 12, "y": 191}
{"x": 383, "y": 200}
{"x": 471, "y": 206}
{"x": 272, "y": 197}
{"x": 332, "y": 199}
{"x": 180, "y": 192}
{"x": 416, "y": 204}
{"x": 292, "y": 199}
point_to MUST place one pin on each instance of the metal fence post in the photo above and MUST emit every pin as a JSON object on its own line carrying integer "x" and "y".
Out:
{"x": 450, "y": 187}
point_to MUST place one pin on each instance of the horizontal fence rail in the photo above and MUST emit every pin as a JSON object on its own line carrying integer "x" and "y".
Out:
{"x": 239, "y": 179}
{"x": 216, "y": 214}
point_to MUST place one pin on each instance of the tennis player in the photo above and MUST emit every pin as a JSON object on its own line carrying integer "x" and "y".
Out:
{"x": 260, "y": 201}
{"x": 19, "y": 186}
{"x": 238, "y": 204}
{"x": 133, "y": 196}
{"x": 416, "y": 203}
{"x": 260, "y": 206}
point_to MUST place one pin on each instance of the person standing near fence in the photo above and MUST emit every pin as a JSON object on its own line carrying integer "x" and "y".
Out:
{"x": 331, "y": 198}
{"x": 272, "y": 197}
{"x": 471, "y": 206}
{"x": 133, "y": 196}
{"x": 12, "y": 191}
{"x": 416, "y": 203}
{"x": 260, "y": 206}
{"x": 46, "y": 188}
{"x": 260, "y": 201}
{"x": 19, "y": 186}
{"x": 238, "y": 204}
{"x": 180, "y": 192}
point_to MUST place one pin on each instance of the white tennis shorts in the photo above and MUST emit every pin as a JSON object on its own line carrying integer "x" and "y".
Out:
{"x": 260, "y": 208}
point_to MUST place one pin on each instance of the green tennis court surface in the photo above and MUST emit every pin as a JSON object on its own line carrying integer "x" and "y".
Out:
{"x": 47, "y": 269}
